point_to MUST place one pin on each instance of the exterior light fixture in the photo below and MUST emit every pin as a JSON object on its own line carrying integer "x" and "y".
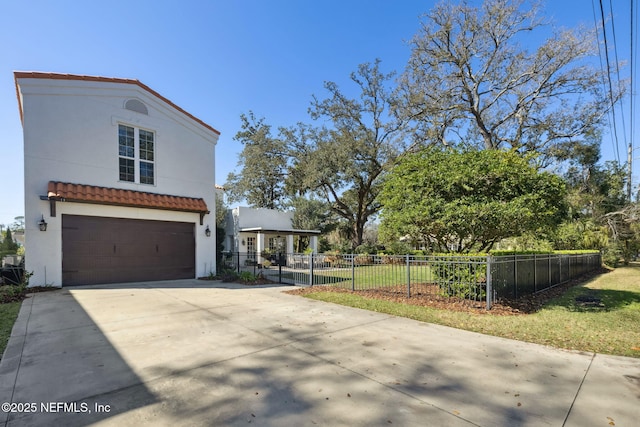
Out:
{"x": 207, "y": 231}
{"x": 42, "y": 224}
{"x": 243, "y": 242}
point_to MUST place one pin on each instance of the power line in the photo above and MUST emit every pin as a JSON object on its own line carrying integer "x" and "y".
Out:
{"x": 615, "y": 51}
{"x": 632, "y": 59}
{"x": 613, "y": 110}
{"x": 604, "y": 84}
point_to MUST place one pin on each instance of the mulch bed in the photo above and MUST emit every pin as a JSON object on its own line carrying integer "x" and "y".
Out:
{"x": 427, "y": 295}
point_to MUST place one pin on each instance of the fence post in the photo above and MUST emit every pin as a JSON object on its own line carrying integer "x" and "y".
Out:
{"x": 280, "y": 256}
{"x": 515, "y": 276}
{"x": 311, "y": 269}
{"x": 408, "y": 277}
{"x": 353, "y": 272}
{"x": 535, "y": 273}
{"x": 489, "y": 290}
{"x": 560, "y": 267}
{"x": 238, "y": 263}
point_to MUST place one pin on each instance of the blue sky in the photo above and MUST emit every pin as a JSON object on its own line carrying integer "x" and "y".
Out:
{"x": 218, "y": 59}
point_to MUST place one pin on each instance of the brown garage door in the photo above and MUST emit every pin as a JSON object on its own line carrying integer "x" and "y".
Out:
{"x": 116, "y": 250}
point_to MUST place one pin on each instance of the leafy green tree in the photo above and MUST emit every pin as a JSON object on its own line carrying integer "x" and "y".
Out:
{"x": 344, "y": 162}
{"x": 18, "y": 224}
{"x": 8, "y": 246}
{"x": 469, "y": 81}
{"x": 624, "y": 226}
{"x": 311, "y": 214}
{"x": 600, "y": 215}
{"x": 264, "y": 162}
{"x": 464, "y": 201}
{"x": 221, "y": 221}
{"x": 221, "y": 211}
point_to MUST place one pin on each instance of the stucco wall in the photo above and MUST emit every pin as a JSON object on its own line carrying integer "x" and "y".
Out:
{"x": 71, "y": 135}
{"x": 267, "y": 218}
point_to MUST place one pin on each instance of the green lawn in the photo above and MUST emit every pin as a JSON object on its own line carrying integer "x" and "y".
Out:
{"x": 368, "y": 276}
{"x": 8, "y": 316}
{"x": 610, "y": 327}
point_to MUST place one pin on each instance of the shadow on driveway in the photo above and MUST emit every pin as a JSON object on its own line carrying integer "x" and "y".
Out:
{"x": 194, "y": 353}
{"x": 60, "y": 369}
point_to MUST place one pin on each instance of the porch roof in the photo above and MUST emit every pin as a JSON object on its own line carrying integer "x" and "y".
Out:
{"x": 267, "y": 230}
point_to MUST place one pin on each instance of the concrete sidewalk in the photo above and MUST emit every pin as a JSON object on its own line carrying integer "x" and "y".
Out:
{"x": 208, "y": 353}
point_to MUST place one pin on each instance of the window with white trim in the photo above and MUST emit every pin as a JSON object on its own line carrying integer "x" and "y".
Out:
{"x": 136, "y": 155}
{"x": 251, "y": 247}
{"x": 273, "y": 244}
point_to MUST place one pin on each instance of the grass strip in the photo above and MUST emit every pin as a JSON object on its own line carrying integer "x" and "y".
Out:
{"x": 8, "y": 316}
{"x": 600, "y": 316}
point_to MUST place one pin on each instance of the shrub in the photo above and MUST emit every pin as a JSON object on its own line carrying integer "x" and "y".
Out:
{"x": 228, "y": 276}
{"x": 247, "y": 276}
{"x": 397, "y": 248}
{"x": 612, "y": 256}
{"x": 392, "y": 259}
{"x": 363, "y": 260}
{"x": 366, "y": 249}
{"x": 12, "y": 293}
{"x": 335, "y": 259}
{"x": 461, "y": 276}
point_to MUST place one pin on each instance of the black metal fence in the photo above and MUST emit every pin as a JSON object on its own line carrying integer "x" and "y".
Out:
{"x": 474, "y": 278}
{"x": 513, "y": 276}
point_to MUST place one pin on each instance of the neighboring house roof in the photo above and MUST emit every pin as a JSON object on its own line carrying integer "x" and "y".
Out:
{"x": 219, "y": 187}
{"x": 64, "y": 191}
{"x": 272, "y": 230}
{"x": 57, "y": 76}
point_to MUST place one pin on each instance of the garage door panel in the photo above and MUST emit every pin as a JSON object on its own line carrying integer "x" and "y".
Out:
{"x": 109, "y": 250}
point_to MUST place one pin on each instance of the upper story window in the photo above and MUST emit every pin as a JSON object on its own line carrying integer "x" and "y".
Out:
{"x": 136, "y": 148}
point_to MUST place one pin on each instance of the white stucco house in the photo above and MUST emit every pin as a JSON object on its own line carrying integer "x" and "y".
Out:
{"x": 118, "y": 181}
{"x": 251, "y": 231}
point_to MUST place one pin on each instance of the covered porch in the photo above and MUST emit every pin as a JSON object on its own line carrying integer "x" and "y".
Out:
{"x": 264, "y": 244}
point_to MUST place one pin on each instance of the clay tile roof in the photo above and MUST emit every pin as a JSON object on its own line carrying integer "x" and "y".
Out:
{"x": 114, "y": 196}
{"x": 59, "y": 76}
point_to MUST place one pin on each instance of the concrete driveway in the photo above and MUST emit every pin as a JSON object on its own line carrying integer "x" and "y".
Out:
{"x": 208, "y": 353}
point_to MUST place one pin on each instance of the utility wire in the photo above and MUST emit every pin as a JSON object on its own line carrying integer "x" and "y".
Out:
{"x": 615, "y": 51}
{"x": 613, "y": 110}
{"x": 604, "y": 84}
{"x": 632, "y": 60}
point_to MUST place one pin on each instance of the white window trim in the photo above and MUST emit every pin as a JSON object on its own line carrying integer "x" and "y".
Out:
{"x": 136, "y": 154}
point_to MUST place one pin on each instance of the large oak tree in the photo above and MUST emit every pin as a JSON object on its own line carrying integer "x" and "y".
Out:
{"x": 264, "y": 162}
{"x": 471, "y": 81}
{"x": 344, "y": 159}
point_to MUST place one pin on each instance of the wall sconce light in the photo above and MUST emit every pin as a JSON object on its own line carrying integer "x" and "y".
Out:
{"x": 42, "y": 224}
{"x": 243, "y": 242}
{"x": 207, "y": 231}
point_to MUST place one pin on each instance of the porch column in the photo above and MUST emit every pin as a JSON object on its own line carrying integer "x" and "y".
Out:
{"x": 313, "y": 243}
{"x": 288, "y": 247}
{"x": 260, "y": 245}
